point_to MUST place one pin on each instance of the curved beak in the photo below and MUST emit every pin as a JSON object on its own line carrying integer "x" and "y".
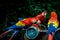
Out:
{"x": 44, "y": 13}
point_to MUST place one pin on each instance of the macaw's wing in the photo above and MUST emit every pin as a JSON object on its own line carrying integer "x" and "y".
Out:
{"x": 15, "y": 27}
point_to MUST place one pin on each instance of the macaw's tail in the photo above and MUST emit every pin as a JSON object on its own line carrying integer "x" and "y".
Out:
{"x": 1, "y": 35}
{"x": 50, "y": 37}
{"x": 14, "y": 34}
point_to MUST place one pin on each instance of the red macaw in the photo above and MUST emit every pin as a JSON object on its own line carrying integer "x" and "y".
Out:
{"x": 29, "y": 21}
{"x": 21, "y": 24}
{"x": 52, "y": 25}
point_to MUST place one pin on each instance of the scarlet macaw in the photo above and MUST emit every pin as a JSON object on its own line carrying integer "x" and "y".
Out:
{"x": 52, "y": 25}
{"x": 25, "y": 23}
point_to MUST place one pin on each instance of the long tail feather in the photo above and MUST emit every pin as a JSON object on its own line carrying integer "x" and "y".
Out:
{"x": 5, "y": 33}
{"x": 13, "y": 35}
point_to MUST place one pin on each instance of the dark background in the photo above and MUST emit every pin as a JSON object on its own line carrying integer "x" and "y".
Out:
{"x": 11, "y": 10}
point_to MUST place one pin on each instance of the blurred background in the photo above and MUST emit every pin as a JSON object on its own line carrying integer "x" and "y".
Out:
{"x": 11, "y": 10}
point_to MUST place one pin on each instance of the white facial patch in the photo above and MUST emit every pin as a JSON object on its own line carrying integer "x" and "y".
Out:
{"x": 38, "y": 21}
{"x": 44, "y": 13}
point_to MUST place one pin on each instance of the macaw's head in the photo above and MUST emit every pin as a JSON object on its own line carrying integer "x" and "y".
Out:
{"x": 42, "y": 15}
{"x": 53, "y": 15}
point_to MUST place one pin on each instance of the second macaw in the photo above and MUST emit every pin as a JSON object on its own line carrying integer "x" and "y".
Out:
{"x": 52, "y": 25}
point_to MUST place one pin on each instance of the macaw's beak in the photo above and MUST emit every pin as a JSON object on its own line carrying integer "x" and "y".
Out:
{"x": 44, "y": 13}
